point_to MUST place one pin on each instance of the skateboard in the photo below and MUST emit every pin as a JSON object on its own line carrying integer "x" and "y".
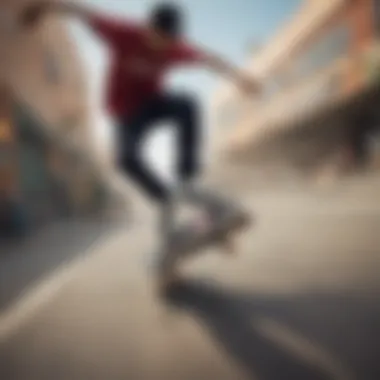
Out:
{"x": 186, "y": 242}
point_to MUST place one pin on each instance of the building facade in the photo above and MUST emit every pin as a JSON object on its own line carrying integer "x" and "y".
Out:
{"x": 43, "y": 99}
{"x": 328, "y": 51}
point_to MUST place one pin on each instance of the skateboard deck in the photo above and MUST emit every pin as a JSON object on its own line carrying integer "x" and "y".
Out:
{"x": 187, "y": 242}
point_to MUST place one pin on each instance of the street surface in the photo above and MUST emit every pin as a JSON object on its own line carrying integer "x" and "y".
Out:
{"x": 299, "y": 301}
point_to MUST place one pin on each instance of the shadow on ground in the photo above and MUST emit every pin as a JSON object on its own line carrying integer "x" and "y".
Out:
{"x": 24, "y": 263}
{"x": 313, "y": 336}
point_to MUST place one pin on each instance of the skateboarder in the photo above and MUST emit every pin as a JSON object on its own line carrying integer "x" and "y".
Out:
{"x": 142, "y": 53}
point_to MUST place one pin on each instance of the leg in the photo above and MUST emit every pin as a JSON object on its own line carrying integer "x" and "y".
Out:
{"x": 131, "y": 137}
{"x": 186, "y": 116}
{"x": 184, "y": 112}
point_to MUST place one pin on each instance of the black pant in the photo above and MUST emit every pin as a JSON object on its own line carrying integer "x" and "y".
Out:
{"x": 180, "y": 110}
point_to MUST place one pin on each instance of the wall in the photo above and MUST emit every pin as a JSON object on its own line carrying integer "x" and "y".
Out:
{"x": 376, "y": 16}
{"x": 55, "y": 181}
{"x": 273, "y": 57}
{"x": 321, "y": 66}
{"x": 8, "y": 154}
{"x": 43, "y": 93}
{"x": 42, "y": 68}
{"x": 345, "y": 33}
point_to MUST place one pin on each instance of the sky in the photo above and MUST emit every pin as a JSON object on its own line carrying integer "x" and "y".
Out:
{"x": 227, "y": 27}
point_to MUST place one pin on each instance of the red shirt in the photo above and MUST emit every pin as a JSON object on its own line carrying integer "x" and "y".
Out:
{"x": 137, "y": 68}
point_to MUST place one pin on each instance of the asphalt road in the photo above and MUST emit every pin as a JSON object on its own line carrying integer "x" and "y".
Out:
{"x": 300, "y": 300}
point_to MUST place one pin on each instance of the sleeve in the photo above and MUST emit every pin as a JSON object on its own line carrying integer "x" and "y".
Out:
{"x": 110, "y": 29}
{"x": 186, "y": 54}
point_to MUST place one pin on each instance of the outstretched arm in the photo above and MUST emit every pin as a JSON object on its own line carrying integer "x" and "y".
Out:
{"x": 246, "y": 83}
{"x": 105, "y": 26}
{"x": 185, "y": 53}
{"x": 33, "y": 13}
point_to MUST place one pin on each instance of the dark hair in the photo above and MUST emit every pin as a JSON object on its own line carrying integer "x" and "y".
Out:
{"x": 167, "y": 18}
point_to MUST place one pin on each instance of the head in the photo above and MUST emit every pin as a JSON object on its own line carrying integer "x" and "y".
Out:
{"x": 166, "y": 22}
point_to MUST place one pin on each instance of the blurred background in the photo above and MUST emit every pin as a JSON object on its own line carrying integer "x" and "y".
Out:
{"x": 301, "y": 302}
{"x": 320, "y": 72}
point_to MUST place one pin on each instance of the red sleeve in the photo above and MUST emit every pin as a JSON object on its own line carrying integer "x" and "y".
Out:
{"x": 184, "y": 53}
{"x": 111, "y": 29}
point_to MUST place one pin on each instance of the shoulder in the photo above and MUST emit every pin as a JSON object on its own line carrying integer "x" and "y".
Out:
{"x": 186, "y": 51}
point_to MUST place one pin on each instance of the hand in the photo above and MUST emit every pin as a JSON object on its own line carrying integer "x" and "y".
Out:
{"x": 33, "y": 14}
